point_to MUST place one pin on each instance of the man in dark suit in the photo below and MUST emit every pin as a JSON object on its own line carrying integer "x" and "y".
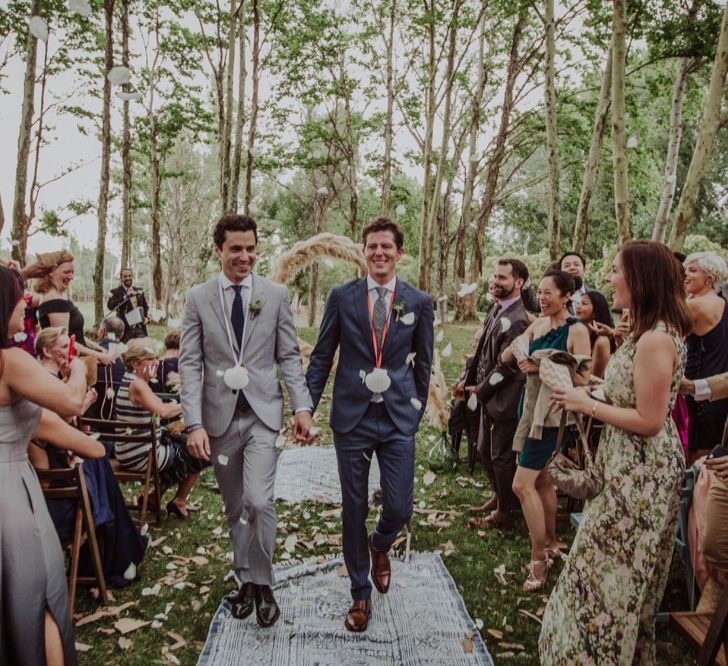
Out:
{"x": 498, "y": 389}
{"x": 383, "y": 328}
{"x": 127, "y": 298}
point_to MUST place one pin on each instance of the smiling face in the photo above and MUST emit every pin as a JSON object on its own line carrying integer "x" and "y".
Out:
{"x": 618, "y": 282}
{"x": 696, "y": 279}
{"x": 551, "y": 301}
{"x": 58, "y": 352}
{"x": 505, "y": 285}
{"x": 15, "y": 324}
{"x": 573, "y": 265}
{"x": 62, "y": 275}
{"x": 382, "y": 255}
{"x": 237, "y": 255}
{"x": 126, "y": 278}
{"x": 584, "y": 309}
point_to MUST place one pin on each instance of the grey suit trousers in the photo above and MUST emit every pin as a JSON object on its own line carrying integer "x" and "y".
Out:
{"x": 244, "y": 459}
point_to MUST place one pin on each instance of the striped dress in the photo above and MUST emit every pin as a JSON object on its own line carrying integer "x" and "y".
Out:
{"x": 133, "y": 455}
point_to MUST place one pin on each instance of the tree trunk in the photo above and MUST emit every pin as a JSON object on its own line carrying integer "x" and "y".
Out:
{"x": 388, "y": 129}
{"x": 2, "y": 214}
{"x": 156, "y": 182}
{"x": 105, "y": 164}
{"x": 709, "y": 124}
{"x": 581, "y": 227}
{"x": 318, "y": 218}
{"x": 240, "y": 119}
{"x": 619, "y": 129}
{"x": 552, "y": 137}
{"x": 425, "y": 247}
{"x": 446, "y": 123}
{"x": 126, "y": 229}
{"x": 253, "y": 127}
{"x": 19, "y": 232}
{"x": 669, "y": 181}
{"x": 471, "y": 169}
{"x": 491, "y": 179}
{"x": 227, "y": 193}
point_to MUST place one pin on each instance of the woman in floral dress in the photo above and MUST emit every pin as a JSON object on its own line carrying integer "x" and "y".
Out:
{"x": 602, "y": 610}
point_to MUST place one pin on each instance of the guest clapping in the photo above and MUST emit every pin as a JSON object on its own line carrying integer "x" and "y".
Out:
{"x": 604, "y": 605}
{"x": 135, "y": 401}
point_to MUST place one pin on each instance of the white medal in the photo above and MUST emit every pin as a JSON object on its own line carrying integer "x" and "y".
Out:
{"x": 236, "y": 378}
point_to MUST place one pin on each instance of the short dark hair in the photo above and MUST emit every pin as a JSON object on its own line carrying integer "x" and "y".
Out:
{"x": 233, "y": 223}
{"x": 565, "y": 283}
{"x": 518, "y": 268}
{"x": 171, "y": 340}
{"x": 126, "y": 268}
{"x": 384, "y": 224}
{"x": 573, "y": 254}
{"x": 114, "y": 325}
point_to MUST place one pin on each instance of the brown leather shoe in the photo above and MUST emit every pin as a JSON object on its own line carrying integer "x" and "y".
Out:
{"x": 381, "y": 568}
{"x": 357, "y": 619}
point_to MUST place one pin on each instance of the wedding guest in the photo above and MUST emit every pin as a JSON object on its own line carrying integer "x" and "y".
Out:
{"x": 120, "y": 543}
{"x": 36, "y": 624}
{"x": 54, "y": 272}
{"x": 603, "y": 607}
{"x": 135, "y": 401}
{"x": 108, "y": 377}
{"x": 130, "y": 306}
{"x": 169, "y": 365}
{"x": 706, "y": 345}
{"x": 574, "y": 264}
{"x": 555, "y": 329}
{"x": 593, "y": 307}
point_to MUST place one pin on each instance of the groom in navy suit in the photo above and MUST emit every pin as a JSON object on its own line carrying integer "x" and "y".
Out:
{"x": 383, "y": 328}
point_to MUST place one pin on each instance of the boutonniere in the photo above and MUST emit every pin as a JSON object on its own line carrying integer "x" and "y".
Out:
{"x": 255, "y": 308}
{"x": 398, "y": 308}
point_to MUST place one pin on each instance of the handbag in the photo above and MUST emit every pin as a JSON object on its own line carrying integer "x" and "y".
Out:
{"x": 581, "y": 483}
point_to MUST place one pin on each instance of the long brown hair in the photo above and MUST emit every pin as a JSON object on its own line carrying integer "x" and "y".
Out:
{"x": 41, "y": 270}
{"x": 655, "y": 281}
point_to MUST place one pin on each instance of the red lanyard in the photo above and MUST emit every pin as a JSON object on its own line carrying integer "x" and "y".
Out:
{"x": 378, "y": 350}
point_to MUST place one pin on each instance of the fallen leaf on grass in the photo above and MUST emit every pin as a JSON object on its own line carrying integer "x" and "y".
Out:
{"x": 156, "y": 542}
{"x": 128, "y": 624}
{"x": 428, "y": 478}
{"x": 104, "y": 612}
{"x": 82, "y": 647}
{"x": 448, "y": 547}
{"x": 512, "y": 646}
{"x": 124, "y": 643}
{"x": 529, "y": 615}
{"x": 290, "y": 543}
{"x": 505, "y": 655}
{"x": 495, "y": 633}
{"x": 199, "y": 560}
{"x": 342, "y": 571}
{"x": 179, "y": 641}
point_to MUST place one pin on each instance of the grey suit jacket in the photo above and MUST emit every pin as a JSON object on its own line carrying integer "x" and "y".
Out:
{"x": 269, "y": 343}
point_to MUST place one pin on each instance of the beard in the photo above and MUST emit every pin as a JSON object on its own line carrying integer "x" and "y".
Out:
{"x": 503, "y": 292}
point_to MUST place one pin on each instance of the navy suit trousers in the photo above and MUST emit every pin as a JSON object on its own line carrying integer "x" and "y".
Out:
{"x": 375, "y": 433}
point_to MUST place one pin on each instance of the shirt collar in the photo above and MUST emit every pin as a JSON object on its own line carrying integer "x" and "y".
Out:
{"x": 227, "y": 283}
{"x": 389, "y": 286}
{"x": 505, "y": 304}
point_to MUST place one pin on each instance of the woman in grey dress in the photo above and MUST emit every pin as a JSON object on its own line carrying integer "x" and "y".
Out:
{"x": 35, "y": 624}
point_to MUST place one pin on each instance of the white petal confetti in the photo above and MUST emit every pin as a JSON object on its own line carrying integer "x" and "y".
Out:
{"x": 110, "y": 393}
{"x": 323, "y": 190}
{"x": 223, "y": 460}
{"x": 436, "y": 322}
{"x": 20, "y": 336}
{"x": 400, "y": 210}
{"x": 447, "y": 352}
{"x": 217, "y": 531}
{"x": 378, "y": 381}
{"x": 495, "y": 378}
{"x": 411, "y": 358}
{"x": 313, "y": 431}
{"x": 416, "y": 404}
{"x": 119, "y": 75}
{"x": 327, "y": 262}
{"x": 156, "y": 624}
{"x": 151, "y": 591}
{"x": 174, "y": 323}
{"x": 15, "y": 243}
{"x": 290, "y": 543}
{"x": 505, "y": 324}
{"x": 236, "y": 378}
{"x": 38, "y": 28}
{"x": 598, "y": 394}
{"x": 633, "y": 141}
{"x": 111, "y": 336}
{"x": 167, "y": 550}
{"x": 362, "y": 375}
{"x": 473, "y": 402}
{"x": 81, "y": 7}
{"x": 219, "y": 373}
{"x": 467, "y": 289}
{"x": 130, "y": 573}
{"x": 479, "y": 623}
{"x": 408, "y": 319}
{"x": 439, "y": 336}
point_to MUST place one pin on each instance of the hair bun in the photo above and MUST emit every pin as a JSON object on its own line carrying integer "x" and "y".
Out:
{"x": 578, "y": 283}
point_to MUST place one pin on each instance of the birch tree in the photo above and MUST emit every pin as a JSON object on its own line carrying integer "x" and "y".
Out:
{"x": 552, "y": 138}
{"x": 619, "y": 113}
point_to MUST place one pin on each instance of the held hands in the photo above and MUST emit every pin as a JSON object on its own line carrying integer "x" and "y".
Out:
{"x": 302, "y": 423}
{"x": 687, "y": 386}
{"x": 198, "y": 444}
{"x": 458, "y": 391}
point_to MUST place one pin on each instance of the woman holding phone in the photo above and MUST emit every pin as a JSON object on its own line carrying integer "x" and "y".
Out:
{"x": 603, "y": 607}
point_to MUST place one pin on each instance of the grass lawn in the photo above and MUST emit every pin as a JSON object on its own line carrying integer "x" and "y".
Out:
{"x": 191, "y": 560}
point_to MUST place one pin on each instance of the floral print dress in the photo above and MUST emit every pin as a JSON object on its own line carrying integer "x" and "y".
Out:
{"x": 603, "y": 608}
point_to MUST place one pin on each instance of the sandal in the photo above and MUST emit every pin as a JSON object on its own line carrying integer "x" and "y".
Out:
{"x": 489, "y": 522}
{"x": 532, "y": 583}
{"x": 554, "y": 553}
{"x": 173, "y": 509}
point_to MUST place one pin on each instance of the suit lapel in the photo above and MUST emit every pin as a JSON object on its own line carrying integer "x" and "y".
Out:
{"x": 214, "y": 300}
{"x": 362, "y": 313}
{"x": 250, "y": 321}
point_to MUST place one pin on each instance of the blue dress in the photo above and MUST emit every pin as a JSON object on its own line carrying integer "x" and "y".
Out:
{"x": 537, "y": 452}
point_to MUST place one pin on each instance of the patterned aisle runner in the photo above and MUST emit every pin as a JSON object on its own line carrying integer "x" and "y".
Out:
{"x": 422, "y": 620}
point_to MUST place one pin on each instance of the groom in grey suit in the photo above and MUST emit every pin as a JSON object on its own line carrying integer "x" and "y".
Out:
{"x": 237, "y": 332}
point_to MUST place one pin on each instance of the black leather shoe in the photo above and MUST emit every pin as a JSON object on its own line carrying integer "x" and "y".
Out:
{"x": 266, "y": 608}
{"x": 242, "y": 605}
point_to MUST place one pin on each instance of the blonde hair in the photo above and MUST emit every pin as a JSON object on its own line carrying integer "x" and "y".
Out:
{"x": 41, "y": 270}
{"x": 139, "y": 349}
{"x": 47, "y": 337}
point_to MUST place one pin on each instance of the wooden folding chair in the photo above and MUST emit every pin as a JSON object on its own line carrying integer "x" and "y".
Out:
{"x": 138, "y": 431}
{"x": 83, "y": 530}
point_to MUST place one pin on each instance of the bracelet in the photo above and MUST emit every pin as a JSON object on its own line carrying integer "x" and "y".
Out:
{"x": 594, "y": 409}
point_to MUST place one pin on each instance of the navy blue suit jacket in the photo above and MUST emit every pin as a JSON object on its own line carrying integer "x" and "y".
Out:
{"x": 346, "y": 326}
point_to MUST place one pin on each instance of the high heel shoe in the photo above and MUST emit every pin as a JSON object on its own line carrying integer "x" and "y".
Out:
{"x": 532, "y": 583}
